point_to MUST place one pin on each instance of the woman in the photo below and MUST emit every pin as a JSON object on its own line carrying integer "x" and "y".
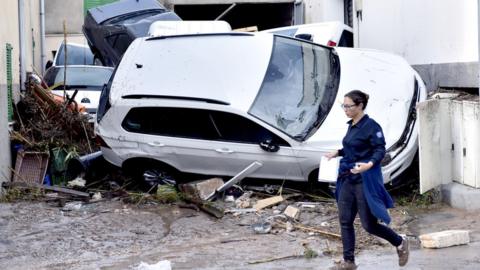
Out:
{"x": 360, "y": 183}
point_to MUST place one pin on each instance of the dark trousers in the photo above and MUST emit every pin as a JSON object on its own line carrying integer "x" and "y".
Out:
{"x": 350, "y": 201}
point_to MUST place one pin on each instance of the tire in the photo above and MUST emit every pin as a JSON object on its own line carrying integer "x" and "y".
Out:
{"x": 149, "y": 175}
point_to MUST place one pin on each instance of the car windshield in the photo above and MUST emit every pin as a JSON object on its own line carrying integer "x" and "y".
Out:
{"x": 76, "y": 55}
{"x": 91, "y": 78}
{"x": 299, "y": 87}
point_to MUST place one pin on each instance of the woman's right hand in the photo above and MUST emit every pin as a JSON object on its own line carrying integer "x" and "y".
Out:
{"x": 331, "y": 154}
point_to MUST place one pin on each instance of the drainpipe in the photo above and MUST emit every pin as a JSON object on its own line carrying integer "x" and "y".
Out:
{"x": 21, "y": 28}
{"x": 42, "y": 36}
{"x": 478, "y": 33}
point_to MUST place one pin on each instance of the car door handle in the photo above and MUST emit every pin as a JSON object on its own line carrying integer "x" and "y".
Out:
{"x": 224, "y": 150}
{"x": 156, "y": 144}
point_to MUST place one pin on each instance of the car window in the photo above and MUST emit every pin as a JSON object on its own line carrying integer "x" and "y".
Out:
{"x": 119, "y": 43}
{"x": 176, "y": 122}
{"x": 122, "y": 43}
{"x": 298, "y": 89}
{"x": 91, "y": 78}
{"x": 286, "y": 32}
{"x": 197, "y": 124}
{"x": 76, "y": 55}
{"x": 235, "y": 128}
{"x": 346, "y": 40}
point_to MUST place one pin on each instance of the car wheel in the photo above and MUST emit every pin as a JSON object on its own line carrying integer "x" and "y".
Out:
{"x": 147, "y": 174}
{"x": 157, "y": 176}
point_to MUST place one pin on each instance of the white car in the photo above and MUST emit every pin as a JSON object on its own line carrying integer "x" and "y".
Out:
{"x": 170, "y": 28}
{"x": 233, "y": 99}
{"x": 88, "y": 80}
{"x": 327, "y": 33}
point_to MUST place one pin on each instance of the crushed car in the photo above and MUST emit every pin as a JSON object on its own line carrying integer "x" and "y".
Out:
{"x": 82, "y": 83}
{"x": 109, "y": 29}
{"x": 326, "y": 33}
{"x": 237, "y": 98}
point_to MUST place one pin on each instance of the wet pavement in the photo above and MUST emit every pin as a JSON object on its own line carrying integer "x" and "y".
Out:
{"x": 114, "y": 236}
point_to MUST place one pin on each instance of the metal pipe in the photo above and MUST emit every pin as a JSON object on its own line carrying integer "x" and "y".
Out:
{"x": 42, "y": 36}
{"x": 225, "y": 12}
{"x": 21, "y": 28}
{"x": 478, "y": 34}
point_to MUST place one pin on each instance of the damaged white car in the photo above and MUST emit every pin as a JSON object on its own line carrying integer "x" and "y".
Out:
{"x": 235, "y": 98}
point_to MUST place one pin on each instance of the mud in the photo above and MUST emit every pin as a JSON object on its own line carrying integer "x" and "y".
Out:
{"x": 114, "y": 235}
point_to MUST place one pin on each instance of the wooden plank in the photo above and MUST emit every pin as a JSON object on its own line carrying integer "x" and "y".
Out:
{"x": 267, "y": 202}
{"x": 51, "y": 188}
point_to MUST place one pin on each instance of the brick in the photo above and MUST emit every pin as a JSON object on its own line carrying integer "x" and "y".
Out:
{"x": 445, "y": 239}
{"x": 201, "y": 189}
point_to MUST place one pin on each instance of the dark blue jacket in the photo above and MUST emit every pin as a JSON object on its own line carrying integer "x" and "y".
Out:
{"x": 364, "y": 142}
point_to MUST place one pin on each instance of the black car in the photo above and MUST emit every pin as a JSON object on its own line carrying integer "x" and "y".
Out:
{"x": 111, "y": 28}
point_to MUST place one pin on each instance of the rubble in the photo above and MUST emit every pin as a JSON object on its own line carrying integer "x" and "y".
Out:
{"x": 444, "y": 239}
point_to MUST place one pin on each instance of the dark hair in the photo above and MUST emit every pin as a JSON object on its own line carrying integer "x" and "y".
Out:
{"x": 358, "y": 97}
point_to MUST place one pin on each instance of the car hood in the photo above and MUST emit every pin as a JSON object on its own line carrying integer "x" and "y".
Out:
{"x": 389, "y": 81}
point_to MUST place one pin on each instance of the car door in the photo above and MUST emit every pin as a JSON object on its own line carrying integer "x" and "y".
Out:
{"x": 210, "y": 142}
{"x": 238, "y": 145}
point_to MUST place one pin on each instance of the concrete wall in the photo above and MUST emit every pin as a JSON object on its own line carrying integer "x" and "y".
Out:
{"x": 448, "y": 142}
{"x": 58, "y": 10}
{"x": 8, "y": 34}
{"x": 439, "y": 38}
{"x": 32, "y": 36}
{"x": 323, "y": 10}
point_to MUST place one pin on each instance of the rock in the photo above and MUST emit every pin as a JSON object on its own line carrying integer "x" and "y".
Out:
{"x": 244, "y": 200}
{"x": 72, "y": 206}
{"x": 201, "y": 189}
{"x": 96, "y": 196}
{"x": 161, "y": 265}
{"x": 77, "y": 182}
{"x": 292, "y": 212}
{"x": 444, "y": 239}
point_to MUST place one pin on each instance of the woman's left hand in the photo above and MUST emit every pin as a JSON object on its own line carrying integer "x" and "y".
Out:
{"x": 361, "y": 167}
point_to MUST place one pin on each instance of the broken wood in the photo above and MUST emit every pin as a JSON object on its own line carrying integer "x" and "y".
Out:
{"x": 51, "y": 188}
{"x": 309, "y": 229}
{"x": 267, "y": 202}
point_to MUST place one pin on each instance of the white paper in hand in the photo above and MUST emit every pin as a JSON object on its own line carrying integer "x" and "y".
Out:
{"x": 328, "y": 170}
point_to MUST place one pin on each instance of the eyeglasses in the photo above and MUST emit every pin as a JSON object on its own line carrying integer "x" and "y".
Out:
{"x": 347, "y": 107}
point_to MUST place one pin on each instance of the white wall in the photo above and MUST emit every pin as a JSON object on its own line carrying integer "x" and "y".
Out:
{"x": 323, "y": 10}
{"x": 56, "y": 11}
{"x": 32, "y": 30}
{"x": 8, "y": 34}
{"x": 422, "y": 31}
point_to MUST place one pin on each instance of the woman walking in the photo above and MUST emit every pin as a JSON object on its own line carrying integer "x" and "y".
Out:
{"x": 359, "y": 186}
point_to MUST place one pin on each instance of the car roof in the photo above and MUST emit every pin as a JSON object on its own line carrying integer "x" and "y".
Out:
{"x": 168, "y": 28}
{"x": 228, "y": 68}
{"x": 105, "y": 12}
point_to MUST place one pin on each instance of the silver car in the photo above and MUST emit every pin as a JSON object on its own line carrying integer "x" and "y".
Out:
{"x": 235, "y": 98}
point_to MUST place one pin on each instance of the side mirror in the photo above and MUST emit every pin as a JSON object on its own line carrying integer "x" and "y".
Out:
{"x": 269, "y": 146}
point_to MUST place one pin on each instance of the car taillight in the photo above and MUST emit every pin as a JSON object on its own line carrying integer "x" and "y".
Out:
{"x": 101, "y": 142}
{"x": 331, "y": 43}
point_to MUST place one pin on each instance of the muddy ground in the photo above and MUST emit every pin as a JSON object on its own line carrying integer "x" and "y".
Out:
{"x": 114, "y": 235}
